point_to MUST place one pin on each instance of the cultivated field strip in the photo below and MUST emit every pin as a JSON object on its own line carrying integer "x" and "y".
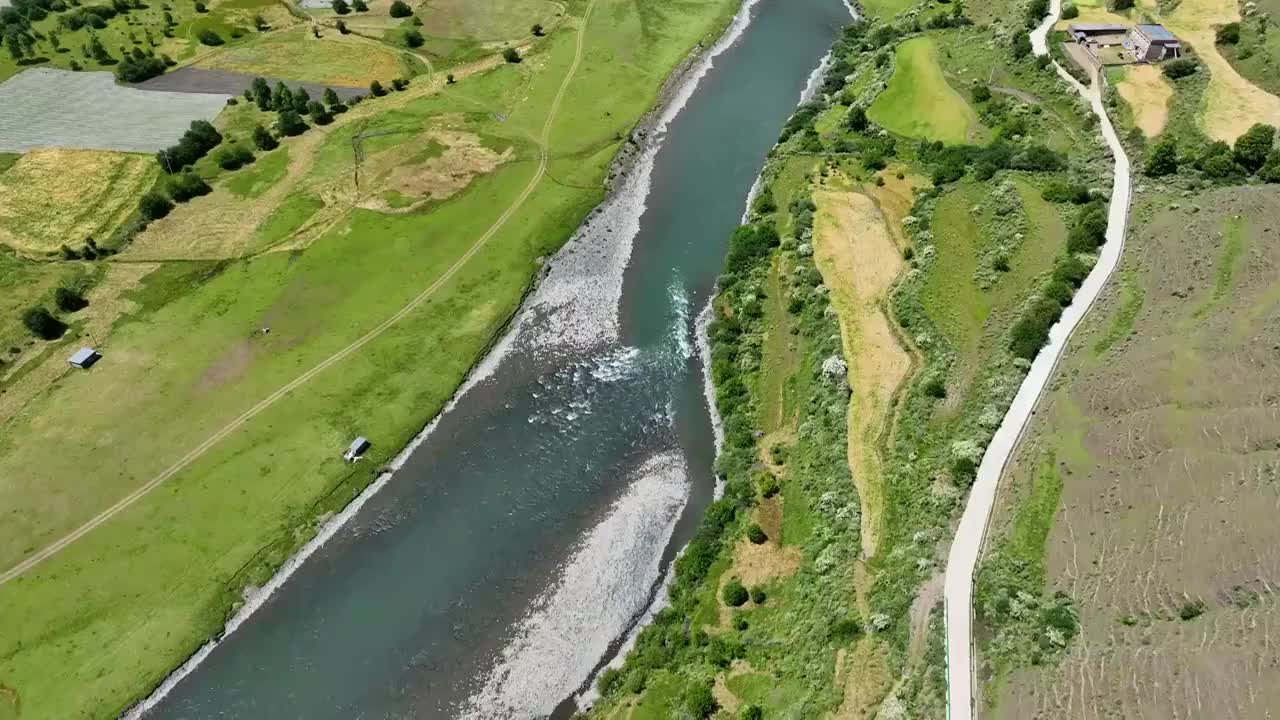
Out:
{"x": 45, "y": 108}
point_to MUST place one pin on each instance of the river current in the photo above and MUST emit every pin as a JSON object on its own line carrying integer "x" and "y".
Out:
{"x": 525, "y": 533}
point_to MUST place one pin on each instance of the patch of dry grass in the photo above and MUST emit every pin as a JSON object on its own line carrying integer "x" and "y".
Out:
{"x": 1148, "y": 93}
{"x": 860, "y": 261}
{"x": 1232, "y": 103}
{"x": 54, "y": 197}
{"x": 333, "y": 59}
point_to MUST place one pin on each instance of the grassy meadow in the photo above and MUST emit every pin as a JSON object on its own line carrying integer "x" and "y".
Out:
{"x": 106, "y": 619}
{"x": 919, "y": 101}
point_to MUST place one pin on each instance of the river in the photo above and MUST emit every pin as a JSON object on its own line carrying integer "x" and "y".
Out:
{"x": 526, "y": 531}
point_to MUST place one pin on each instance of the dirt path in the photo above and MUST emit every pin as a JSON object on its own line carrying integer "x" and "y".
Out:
{"x": 967, "y": 546}
{"x": 127, "y": 501}
{"x": 860, "y": 262}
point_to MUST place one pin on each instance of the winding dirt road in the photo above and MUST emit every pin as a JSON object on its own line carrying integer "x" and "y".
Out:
{"x": 196, "y": 452}
{"x": 967, "y": 546}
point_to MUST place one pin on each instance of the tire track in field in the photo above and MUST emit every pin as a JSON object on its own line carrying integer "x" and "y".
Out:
{"x": 186, "y": 460}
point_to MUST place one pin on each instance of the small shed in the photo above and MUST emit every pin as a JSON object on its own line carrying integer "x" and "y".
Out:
{"x": 84, "y": 358}
{"x": 358, "y": 447}
{"x": 1153, "y": 43}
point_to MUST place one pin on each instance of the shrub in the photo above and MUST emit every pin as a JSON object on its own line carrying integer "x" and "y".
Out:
{"x": 376, "y": 89}
{"x": 844, "y": 630}
{"x": 1060, "y": 192}
{"x": 699, "y": 701}
{"x": 1163, "y": 159}
{"x": 69, "y": 300}
{"x": 291, "y": 124}
{"x": 399, "y": 84}
{"x": 1180, "y": 68}
{"x": 448, "y": 79}
{"x": 1270, "y": 171}
{"x": 609, "y": 681}
{"x": 1089, "y": 228}
{"x": 856, "y": 119}
{"x": 1253, "y": 147}
{"x": 400, "y": 9}
{"x": 756, "y": 534}
{"x": 187, "y": 185}
{"x": 209, "y": 37}
{"x": 1021, "y": 46}
{"x": 200, "y": 7}
{"x": 734, "y": 594}
{"x": 360, "y": 5}
{"x": 1192, "y": 609}
{"x": 1031, "y": 331}
{"x": 934, "y": 387}
{"x": 1121, "y": 5}
{"x": 981, "y": 93}
{"x": 341, "y": 7}
{"x": 263, "y": 139}
{"x": 234, "y": 157}
{"x": 1228, "y": 34}
{"x": 133, "y": 70}
{"x": 413, "y": 39}
{"x": 511, "y": 55}
{"x": 751, "y": 712}
{"x": 43, "y": 324}
{"x": 758, "y": 595}
{"x": 196, "y": 142}
{"x": 1070, "y": 12}
{"x": 1036, "y": 11}
{"x": 154, "y": 206}
{"x": 768, "y": 485}
{"x": 536, "y": 30}
{"x": 1070, "y": 269}
{"x": 342, "y": 28}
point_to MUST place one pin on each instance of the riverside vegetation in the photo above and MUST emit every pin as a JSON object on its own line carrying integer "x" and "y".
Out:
{"x": 999, "y": 223}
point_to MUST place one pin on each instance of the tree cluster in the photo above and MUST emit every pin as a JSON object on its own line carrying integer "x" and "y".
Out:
{"x": 1252, "y": 155}
{"x": 140, "y": 65}
{"x": 195, "y": 144}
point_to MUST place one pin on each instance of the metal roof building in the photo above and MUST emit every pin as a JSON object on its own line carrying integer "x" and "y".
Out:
{"x": 84, "y": 357}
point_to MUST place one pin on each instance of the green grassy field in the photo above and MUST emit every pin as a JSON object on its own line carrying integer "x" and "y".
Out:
{"x": 144, "y": 28}
{"x": 107, "y": 618}
{"x": 919, "y": 102}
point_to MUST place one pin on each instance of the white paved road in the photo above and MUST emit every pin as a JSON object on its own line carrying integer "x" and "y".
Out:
{"x": 965, "y": 549}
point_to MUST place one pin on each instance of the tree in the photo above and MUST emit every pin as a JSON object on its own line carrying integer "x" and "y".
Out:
{"x": 1121, "y": 5}
{"x": 136, "y": 69}
{"x": 260, "y": 23}
{"x": 413, "y": 39}
{"x": 331, "y": 98}
{"x": 291, "y": 124}
{"x": 758, "y": 595}
{"x": 756, "y": 534}
{"x": 341, "y": 7}
{"x": 981, "y": 93}
{"x": 448, "y": 79}
{"x": 1021, "y": 46}
{"x": 1270, "y": 172}
{"x": 734, "y": 595}
{"x": 318, "y": 114}
{"x": 263, "y": 139}
{"x": 1070, "y": 12}
{"x": 301, "y": 100}
{"x": 209, "y": 37}
{"x": 342, "y": 28}
{"x": 536, "y": 30}
{"x": 400, "y": 9}
{"x": 154, "y": 206}
{"x": 360, "y": 5}
{"x": 376, "y": 89}
{"x": 1228, "y": 34}
{"x": 98, "y": 52}
{"x": 1163, "y": 159}
{"x": 200, "y": 7}
{"x": 751, "y": 712}
{"x": 261, "y": 93}
{"x": 1253, "y": 147}
{"x": 281, "y": 98}
{"x": 43, "y": 324}
{"x": 511, "y": 55}
{"x": 69, "y": 300}
{"x": 856, "y": 120}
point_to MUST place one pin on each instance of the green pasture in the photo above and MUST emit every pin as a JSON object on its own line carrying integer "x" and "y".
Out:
{"x": 919, "y": 102}
{"x": 107, "y": 618}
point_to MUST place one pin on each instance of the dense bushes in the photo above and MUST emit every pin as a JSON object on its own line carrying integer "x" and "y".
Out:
{"x": 42, "y": 324}
{"x": 187, "y": 185}
{"x": 136, "y": 69}
{"x": 1089, "y": 229}
{"x": 195, "y": 144}
{"x": 748, "y": 244}
{"x": 154, "y": 206}
{"x": 400, "y": 9}
{"x": 1180, "y": 68}
{"x": 1031, "y": 331}
{"x": 234, "y": 157}
{"x": 209, "y": 37}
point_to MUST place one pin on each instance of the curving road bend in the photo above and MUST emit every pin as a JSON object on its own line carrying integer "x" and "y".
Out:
{"x": 967, "y": 546}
